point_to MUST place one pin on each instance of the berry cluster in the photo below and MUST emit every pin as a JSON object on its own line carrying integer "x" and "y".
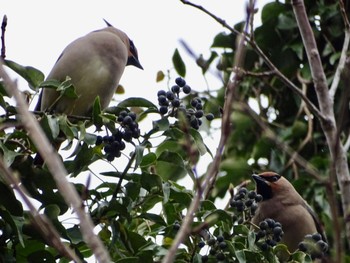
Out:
{"x": 269, "y": 234}
{"x": 128, "y": 130}
{"x": 313, "y": 245}
{"x": 245, "y": 203}
{"x": 170, "y": 103}
{"x": 217, "y": 248}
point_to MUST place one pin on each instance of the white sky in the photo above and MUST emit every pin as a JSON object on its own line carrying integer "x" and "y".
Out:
{"x": 38, "y": 30}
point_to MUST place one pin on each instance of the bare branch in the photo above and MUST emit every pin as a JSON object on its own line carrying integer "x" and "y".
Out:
{"x": 56, "y": 168}
{"x": 344, "y": 51}
{"x": 3, "y": 29}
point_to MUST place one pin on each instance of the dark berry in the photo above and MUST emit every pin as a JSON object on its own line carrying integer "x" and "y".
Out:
{"x": 264, "y": 246}
{"x": 263, "y": 225}
{"x": 162, "y": 100}
{"x": 180, "y": 81}
{"x": 110, "y": 157}
{"x": 201, "y": 244}
{"x": 316, "y": 237}
{"x": 210, "y": 116}
{"x": 175, "y": 89}
{"x": 270, "y": 222}
{"x": 258, "y": 198}
{"x": 223, "y": 245}
{"x": 252, "y": 194}
{"x": 199, "y": 106}
{"x": 127, "y": 135}
{"x": 194, "y": 102}
{"x": 243, "y": 190}
{"x": 277, "y": 231}
{"x": 123, "y": 113}
{"x": 108, "y": 148}
{"x": 175, "y": 103}
{"x": 199, "y": 114}
{"x": 99, "y": 140}
{"x": 253, "y": 208}
{"x": 186, "y": 89}
{"x": 163, "y": 110}
{"x": 302, "y": 246}
{"x": 161, "y": 93}
{"x": 323, "y": 246}
{"x": 248, "y": 203}
{"x": 271, "y": 242}
{"x": 220, "y": 238}
{"x": 261, "y": 234}
{"x": 194, "y": 123}
{"x": 127, "y": 120}
{"x": 132, "y": 115}
{"x": 170, "y": 95}
{"x": 176, "y": 226}
{"x": 211, "y": 242}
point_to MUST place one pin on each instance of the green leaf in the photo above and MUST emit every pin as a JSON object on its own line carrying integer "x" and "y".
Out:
{"x": 202, "y": 148}
{"x": 154, "y": 218}
{"x": 149, "y": 181}
{"x": 52, "y": 211}
{"x": 32, "y": 75}
{"x": 139, "y": 149}
{"x": 129, "y": 260}
{"x": 136, "y": 102}
{"x": 161, "y": 125}
{"x": 170, "y": 166}
{"x": 96, "y": 114}
{"x": 148, "y": 160}
{"x": 240, "y": 256}
{"x": 224, "y": 40}
{"x": 9, "y": 201}
{"x": 67, "y": 89}
{"x": 179, "y": 64}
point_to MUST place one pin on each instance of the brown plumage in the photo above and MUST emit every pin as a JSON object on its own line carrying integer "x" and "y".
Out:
{"x": 282, "y": 203}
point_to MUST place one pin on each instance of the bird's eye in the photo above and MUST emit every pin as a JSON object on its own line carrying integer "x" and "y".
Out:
{"x": 273, "y": 178}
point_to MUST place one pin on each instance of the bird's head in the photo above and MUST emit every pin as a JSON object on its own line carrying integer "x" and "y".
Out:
{"x": 133, "y": 58}
{"x": 269, "y": 184}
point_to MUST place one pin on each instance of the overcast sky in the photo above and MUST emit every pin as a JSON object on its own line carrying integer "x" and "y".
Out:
{"x": 38, "y": 30}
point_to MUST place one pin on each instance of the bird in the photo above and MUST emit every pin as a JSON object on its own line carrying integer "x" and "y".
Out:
{"x": 282, "y": 203}
{"x": 95, "y": 64}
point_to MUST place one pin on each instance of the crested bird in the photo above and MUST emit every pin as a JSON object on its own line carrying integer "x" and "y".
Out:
{"x": 282, "y": 203}
{"x": 95, "y": 64}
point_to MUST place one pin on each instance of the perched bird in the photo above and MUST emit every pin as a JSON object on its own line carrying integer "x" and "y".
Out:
{"x": 95, "y": 64}
{"x": 282, "y": 203}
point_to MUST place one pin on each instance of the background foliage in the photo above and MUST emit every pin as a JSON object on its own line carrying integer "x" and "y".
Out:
{"x": 122, "y": 203}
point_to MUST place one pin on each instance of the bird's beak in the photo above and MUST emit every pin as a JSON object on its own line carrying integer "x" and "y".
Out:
{"x": 134, "y": 61}
{"x": 258, "y": 179}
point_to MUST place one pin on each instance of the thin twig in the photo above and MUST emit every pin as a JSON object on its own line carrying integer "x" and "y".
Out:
{"x": 337, "y": 75}
{"x": 42, "y": 223}
{"x": 3, "y": 29}
{"x": 56, "y": 168}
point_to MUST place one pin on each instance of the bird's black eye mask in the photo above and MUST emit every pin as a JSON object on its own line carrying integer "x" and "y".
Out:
{"x": 270, "y": 178}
